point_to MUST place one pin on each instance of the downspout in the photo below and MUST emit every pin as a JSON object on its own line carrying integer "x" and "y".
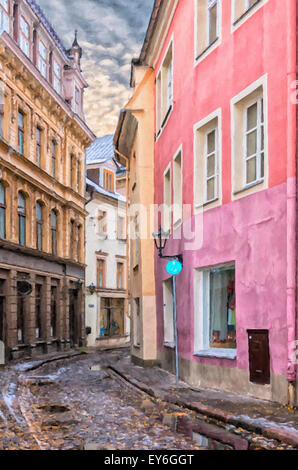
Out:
{"x": 127, "y": 220}
{"x": 291, "y": 199}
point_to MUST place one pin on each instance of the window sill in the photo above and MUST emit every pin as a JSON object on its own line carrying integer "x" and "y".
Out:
{"x": 206, "y": 51}
{"x": 164, "y": 122}
{"x": 169, "y": 345}
{"x": 208, "y": 203}
{"x": 246, "y": 13}
{"x": 220, "y": 354}
{"x": 248, "y": 186}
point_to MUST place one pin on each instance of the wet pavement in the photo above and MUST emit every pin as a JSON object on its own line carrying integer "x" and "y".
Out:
{"x": 80, "y": 403}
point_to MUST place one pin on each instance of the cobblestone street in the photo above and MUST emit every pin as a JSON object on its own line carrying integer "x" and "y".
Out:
{"x": 79, "y": 403}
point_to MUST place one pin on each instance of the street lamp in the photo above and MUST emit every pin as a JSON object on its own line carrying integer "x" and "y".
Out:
{"x": 160, "y": 240}
{"x": 173, "y": 268}
{"x": 91, "y": 288}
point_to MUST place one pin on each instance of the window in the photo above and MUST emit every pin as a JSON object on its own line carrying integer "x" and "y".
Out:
{"x": 167, "y": 201}
{"x": 136, "y": 252}
{"x": 254, "y": 142}
{"x": 57, "y": 77}
{"x": 77, "y": 100}
{"x": 20, "y": 316}
{"x": 38, "y": 310}
{"x": 168, "y": 312}
{"x": 42, "y": 59}
{"x": 1, "y": 116}
{"x": 21, "y": 132}
{"x": 25, "y": 37}
{"x": 120, "y": 272}
{"x": 211, "y": 173}
{"x": 54, "y": 232}
{"x": 100, "y": 273}
{"x": 216, "y": 326}
{"x": 212, "y": 21}
{"x": 249, "y": 139}
{"x": 177, "y": 188}
{"x": 2, "y": 212}
{"x": 38, "y": 146}
{"x": 121, "y": 233}
{"x": 78, "y": 242}
{"x": 4, "y": 16}
{"x": 137, "y": 323}
{"x": 54, "y": 159}
{"x": 39, "y": 223}
{"x": 72, "y": 172}
{"x": 22, "y": 219}
{"x": 108, "y": 181}
{"x": 71, "y": 239}
{"x": 207, "y": 184}
{"x": 102, "y": 222}
{"x": 242, "y": 7}
{"x": 53, "y": 325}
{"x": 164, "y": 89}
{"x": 207, "y": 26}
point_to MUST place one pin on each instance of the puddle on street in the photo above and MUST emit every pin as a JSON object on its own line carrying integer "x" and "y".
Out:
{"x": 183, "y": 425}
{"x": 96, "y": 368}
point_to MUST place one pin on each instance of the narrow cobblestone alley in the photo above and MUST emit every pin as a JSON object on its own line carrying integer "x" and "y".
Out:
{"x": 80, "y": 404}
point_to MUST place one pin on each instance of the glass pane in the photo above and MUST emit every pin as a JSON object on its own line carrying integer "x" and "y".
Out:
{"x": 212, "y": 23}
{"x": 21, "y": 203}
{"x": 251, "y": 170}
{"x": 39, "y": 237}
{"x": 262, "y": 165}
{"x": 211, "y": 166}
{"x": 2, "y": 194}
{"x": 2, "y": 222}
{"x": 54, "y": 242}
{"x": 251, "y": 143}
{"x": 54, "y": 219}
{"x": 211, "y": 142}
{"x": 222, "y": 309}
{"x": 21, "y": 142}
{"x": 262, "y": 137}
{"x": 21, "y": 120}
{"x": 38, "y": 212}
{"x": 252, "y": 116}
{"x": 210, "y": 189}
{"x": 22, "y": 230}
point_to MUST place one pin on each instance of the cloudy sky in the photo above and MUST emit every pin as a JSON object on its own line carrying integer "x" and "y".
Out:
{"x": 111, "y": 33}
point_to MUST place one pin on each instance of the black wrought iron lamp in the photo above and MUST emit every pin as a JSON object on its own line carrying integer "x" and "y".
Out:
{"x": 91, "y": 288}
{"x": 160, "y": 240}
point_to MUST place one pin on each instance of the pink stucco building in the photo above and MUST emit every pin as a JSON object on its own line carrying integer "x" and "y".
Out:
{"x": 225, "y": 161}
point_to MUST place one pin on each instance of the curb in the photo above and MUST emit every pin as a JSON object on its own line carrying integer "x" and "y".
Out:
{"x": 36, "y": 364}
{"x": 278, "y": 433}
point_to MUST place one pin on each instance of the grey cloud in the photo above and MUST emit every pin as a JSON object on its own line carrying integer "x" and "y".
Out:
{"x": 111, "y": 32}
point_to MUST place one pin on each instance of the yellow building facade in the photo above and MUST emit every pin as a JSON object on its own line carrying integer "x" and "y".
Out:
{"x": 42, "y": 188}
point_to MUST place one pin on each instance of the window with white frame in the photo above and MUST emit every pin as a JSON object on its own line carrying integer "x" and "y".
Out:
{"x": 4, "y": 16}
{"x": 254, "y": 142}
{"x": 25, "y": 36}
{"x": 167, "y": 202}
{"x": 249, "y": 141}
{"x": 57, "y": 77}
{"x": 207, "y": 161}
{"x": 215, "y": 322}
{"x": 77, "y": 100}
{"x": 177, "y": 188}
{"x": 207, "y": 27}
{"x": 241, "y": 7}
{"x": 164, "y": 89}
{"x": 137, "y": 322}
{"x": 42, "y": 59}
{"x": 168, "y": 312}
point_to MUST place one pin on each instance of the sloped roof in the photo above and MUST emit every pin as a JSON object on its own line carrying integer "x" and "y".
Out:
{"x": 101, "y": 150}
{"x": 101, "y": 190}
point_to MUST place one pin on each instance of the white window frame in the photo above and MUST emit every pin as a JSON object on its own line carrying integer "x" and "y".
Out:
{"x": 200, "y": 55}
{"x": 210, "y": 5}
{"x": 168, "y": 315}
{"x": 167, "y": 215}
{"x": 202, "y": 315}
{"x": 42, "y": 60}
{"x": 177, "y": 218}
{"x": 248, "y": 12}
{"x": 162, "y": 120}
{"x": 216, "y": 174}
{"x": 4, "y": 16}
{"x": 24, "y": 39}
{"x": 258, "y": 155}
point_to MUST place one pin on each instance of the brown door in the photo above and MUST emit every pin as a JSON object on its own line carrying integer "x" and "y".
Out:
{"x": 259, "y": 356}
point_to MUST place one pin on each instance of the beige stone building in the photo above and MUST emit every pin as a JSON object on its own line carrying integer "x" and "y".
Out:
{"x": 134, "y": 143}
{"x": 42, "y": 185}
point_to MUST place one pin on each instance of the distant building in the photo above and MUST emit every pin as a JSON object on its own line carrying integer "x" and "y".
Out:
{"x": 106, "y": 274}
{"x": 43, "y": 136}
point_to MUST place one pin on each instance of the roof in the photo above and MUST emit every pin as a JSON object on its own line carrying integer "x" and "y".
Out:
{"x": 40, "y": 14}
{"x": 101, "y": 150}
{"x": 101, "y": 190}
{"x": 151, "y": 29}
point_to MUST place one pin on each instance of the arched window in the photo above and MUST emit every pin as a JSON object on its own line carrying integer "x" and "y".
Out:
{"x": 54, "y": 232}
{"x": 78, "y": 242}
{"x": 2, "y": 211}
{"x": 39, "y": 223}
{"x": 22, "y": 219}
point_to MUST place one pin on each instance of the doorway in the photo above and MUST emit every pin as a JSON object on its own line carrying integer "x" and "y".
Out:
{"x": 73, "y": 321}
{"x": 259, "y": 356}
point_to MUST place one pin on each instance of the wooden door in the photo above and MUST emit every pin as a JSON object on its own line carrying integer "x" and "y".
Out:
{"x": 259, "y": 356}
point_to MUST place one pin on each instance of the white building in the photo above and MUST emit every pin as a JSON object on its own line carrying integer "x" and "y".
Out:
{"x": 106, "y": 273}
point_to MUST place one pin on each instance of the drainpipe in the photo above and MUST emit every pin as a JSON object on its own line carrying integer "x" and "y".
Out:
{"x": 291, "y": 199}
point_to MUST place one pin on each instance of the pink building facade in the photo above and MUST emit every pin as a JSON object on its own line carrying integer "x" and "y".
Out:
{"x": 225, "y": 161}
